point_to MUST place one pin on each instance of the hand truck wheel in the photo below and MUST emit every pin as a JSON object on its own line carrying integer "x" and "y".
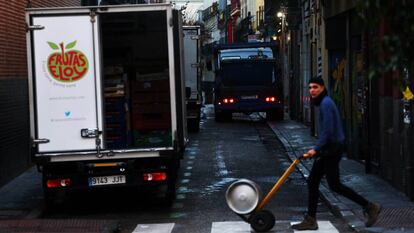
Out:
{"x": 262, "y": 221}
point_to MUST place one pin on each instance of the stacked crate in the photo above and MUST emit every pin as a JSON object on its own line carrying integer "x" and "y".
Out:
{"x": 116, "y": 108}
{"x": 151, "y": 110}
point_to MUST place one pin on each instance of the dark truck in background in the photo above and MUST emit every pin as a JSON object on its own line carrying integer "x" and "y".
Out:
{"x": 247, "y": 80}
{"x": 107, "y": 97}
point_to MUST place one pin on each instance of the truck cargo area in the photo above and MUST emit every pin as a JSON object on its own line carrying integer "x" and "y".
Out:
{"x": 136, "y": 83}
{"x": 108, "y": 106}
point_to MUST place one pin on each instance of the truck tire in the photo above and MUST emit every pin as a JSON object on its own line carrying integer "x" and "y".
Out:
{"x": 49, "y": 198}
{"x": 194, "y": 125}
{"x": 218, "y": 117}
{"x": 171, "y": 192}
{"x": 223, "y": 116}
{"x": 277, "y": 115}
{"x": 53, "y": 198}
{"x": 170, "y": 195}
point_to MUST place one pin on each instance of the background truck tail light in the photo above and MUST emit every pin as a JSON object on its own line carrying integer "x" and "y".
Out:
{"x": 228, "y": 100}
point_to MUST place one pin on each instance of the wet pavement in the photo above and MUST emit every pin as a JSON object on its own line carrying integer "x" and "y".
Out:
{"x": 398, "y": 211}
{"x": 200, "y": 199}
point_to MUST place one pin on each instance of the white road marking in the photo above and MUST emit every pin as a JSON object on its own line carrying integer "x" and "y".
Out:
{"x": 184, "y": 181}
{"x": 154, "y": 228}
{"x": 243, "y": 227}
{"x": 324, "y": 227}
{"x": 230, "y": 227}
{"x": 180, "y": 196}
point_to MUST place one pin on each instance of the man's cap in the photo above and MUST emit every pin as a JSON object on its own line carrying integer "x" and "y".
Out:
{"x": 317, "y": 80}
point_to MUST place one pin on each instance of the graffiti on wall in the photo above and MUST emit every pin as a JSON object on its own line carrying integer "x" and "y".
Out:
{"x": 338, "y": 92}
{"x": 358, "y": 87}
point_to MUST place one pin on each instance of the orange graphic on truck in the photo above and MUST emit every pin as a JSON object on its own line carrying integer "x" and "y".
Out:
{"x": 67, "y": 64}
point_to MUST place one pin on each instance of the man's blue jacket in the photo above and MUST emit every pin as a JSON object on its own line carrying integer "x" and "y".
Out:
{"x": 330, "y": 128}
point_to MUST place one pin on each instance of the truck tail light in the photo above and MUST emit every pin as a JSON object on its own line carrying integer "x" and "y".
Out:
{"x": 228, "y": 100}
{"x": 155, "y": 176}
{"x": 56, "y": 183}
{"x": 270, "y": 99}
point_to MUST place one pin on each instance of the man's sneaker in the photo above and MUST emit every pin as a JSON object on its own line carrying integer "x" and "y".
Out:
{"x": 372, "y": 211}
{"x": 309, "y": 223}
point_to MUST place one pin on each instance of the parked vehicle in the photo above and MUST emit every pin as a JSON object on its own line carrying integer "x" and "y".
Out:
{"x": 192, "y": 73}
{"x": 107, "y": 97}
{"x": 247, "y": 80}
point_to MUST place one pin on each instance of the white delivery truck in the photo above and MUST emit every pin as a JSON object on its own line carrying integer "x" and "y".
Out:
{"x": 107, "y": 97}
{"x": 192, "y": 71}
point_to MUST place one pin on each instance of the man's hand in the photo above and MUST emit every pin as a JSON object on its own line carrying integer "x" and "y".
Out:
{"x": 311, "y": 153}
{"x": 308, "y": 154}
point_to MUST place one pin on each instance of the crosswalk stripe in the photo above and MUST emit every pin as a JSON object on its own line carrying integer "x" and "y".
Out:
{"x": 230, "y": 227}
{"x": 244, "y": 227}
{"x": 154, "y": 228}
{"x": 233, "y": 227}
{"x": 324, "y": 227}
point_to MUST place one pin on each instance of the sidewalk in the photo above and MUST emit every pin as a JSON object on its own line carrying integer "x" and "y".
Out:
{"x": 397, "y": 214}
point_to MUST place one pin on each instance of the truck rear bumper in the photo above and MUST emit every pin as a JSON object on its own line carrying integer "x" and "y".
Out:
{"x": 248, "y": 107}
{"x": 91, "y": 175}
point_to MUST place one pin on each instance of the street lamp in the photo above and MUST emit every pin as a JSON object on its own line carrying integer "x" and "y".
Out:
{"x": 279, "y": 14}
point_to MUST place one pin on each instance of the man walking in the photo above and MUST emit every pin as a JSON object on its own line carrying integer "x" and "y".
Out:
{"x": 327, "y": 154}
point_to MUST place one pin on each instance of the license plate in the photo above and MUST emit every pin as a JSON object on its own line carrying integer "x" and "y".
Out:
{"x": 106, "y": 180}
{"x": 249, "y": 97}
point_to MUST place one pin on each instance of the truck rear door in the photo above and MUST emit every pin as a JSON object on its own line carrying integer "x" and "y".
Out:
{"x": 65, "y": 82}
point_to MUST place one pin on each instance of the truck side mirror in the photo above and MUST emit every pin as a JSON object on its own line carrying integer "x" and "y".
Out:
{"x": 187, "y": 92}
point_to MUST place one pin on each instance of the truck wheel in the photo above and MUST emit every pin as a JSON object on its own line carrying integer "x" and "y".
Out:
{"x": 218, "y": 116}
{"x": 171, "y": 193}
{"x": 194, "y": 124}
{"x": 49, "y": 198}
{"x": 280, "y": 115}
{"x": 228, "y": 116}
{"x": 53, "y": 198}
{"x": 223, "y": 116}
{"x": 275, "y": 115}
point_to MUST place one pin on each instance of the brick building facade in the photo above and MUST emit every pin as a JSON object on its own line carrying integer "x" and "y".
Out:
{"x": 14, "y": 115}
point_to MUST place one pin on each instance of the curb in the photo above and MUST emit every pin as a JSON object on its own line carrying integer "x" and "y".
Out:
{"x": 338, "y": 208}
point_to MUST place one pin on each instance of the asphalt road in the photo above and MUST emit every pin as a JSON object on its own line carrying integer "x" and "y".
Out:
{"x": 218, "y": 155}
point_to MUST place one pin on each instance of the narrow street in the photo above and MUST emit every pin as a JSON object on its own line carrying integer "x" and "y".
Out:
{"x": 218, "y": 155}
{"x": 145, "y": 116}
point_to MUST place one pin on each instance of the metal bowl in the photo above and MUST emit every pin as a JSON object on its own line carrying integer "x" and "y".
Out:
{"x": 243, "y": 196}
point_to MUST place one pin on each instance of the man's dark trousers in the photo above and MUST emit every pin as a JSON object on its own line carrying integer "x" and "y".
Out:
{"x": 327, "y": 163}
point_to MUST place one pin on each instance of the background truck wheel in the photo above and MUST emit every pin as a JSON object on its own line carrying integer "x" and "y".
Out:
{"x": 277, "y": 115}
{"x": 193, "y": 124}
{"x": 223, "y": 116}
